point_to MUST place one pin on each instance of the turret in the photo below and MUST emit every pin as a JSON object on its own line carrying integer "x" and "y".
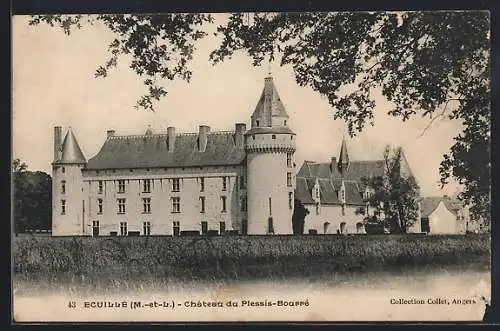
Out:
{"x": 68, "y": 206}
{"x": 343, "y": 167}
{"x": 343, "y": 163}
{"x": 270, "y": 146}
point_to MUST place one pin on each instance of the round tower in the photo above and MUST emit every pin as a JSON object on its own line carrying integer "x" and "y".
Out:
{"x": 270, "y": 148}
{"x": 68, "y": 206}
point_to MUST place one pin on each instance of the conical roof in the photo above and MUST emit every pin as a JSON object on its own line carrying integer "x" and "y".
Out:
{"x": 71, "y": 152}
{"x": 343, "y": 162}
{"x": 269, "y": 104}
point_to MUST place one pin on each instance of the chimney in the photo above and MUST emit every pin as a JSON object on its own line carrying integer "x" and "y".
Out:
{"x": 57, "y": 142}
{"x": 111, "y": 133}
{"x": 240, "y": 129}
{"x": 202, "y": 137}
{"x": 170, "y": 138}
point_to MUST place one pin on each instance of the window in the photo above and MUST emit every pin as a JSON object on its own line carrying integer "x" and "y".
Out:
{"x": 289, "y": 179}
{"x": 202, "y": 204}
{"x": 176, "y": 205}
{"x": 146, "y": 205}
{"x": 63, "y": 186}
{"x": 317, "y": 194}
{"x": 176, "y": 228}
{"x": 99, "y": 206}
{"x": 121, "y": 186}
{"x": 243, "y": 204}
{"x": 176, "y": 185}
{"x": 343, "y": 210}
{"x": 290, "y": 200}
{"x": 342, "y": 228}
{"x": 146, "y": 186}
{"x": 222, "y": 227}
{"x": 325, "y": 227}
{"x": 317, "y": 209}
{"x": 63, "y": 207}
{"x": 202, "y": 184}
{"x": 242, "y": 182}
{"x": 257, "y": 122}
{"x": 123, "y": 228}
{"x": 284, "y": 122}
{"x": 224, "y": 183}
{"x": 270, "y": 226}
{"x": 289, "y": 160}
{"x": 146, "y": 228}
{"x": 63, "y": 170}
{"x": 99, "y": 187}
{"x": 95, "y": 228}
{"x": 273, "y": 136}
{"x": 223, "y": 198}
{"x": 244, "y": 226}
{"x": 204, "y": 227}
{"x": 121, "y": 206}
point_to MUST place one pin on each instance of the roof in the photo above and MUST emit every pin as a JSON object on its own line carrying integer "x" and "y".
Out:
{"x": 269, "y": 104}
{"x": 330, "y": 179}
{"x": 356, "y": 170}
{"x": 429, "y": 204}
{"x": 282, "y": 129}
{"x": 70, "y": 150}
{"x": 344, "y": 157}
{"x": 149, "y": 151}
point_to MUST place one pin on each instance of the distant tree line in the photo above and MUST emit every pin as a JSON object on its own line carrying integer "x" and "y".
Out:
{"x": 32, "y": 196}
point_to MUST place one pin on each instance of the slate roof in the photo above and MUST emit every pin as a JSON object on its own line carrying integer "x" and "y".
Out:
{"x": 269, "y": 104}
{"x": 149, "y": 151}
{"x": 70, "y": 150}
{"x": 282, "y": 129}
{"x": 429, "y": 204}
{"x": 356, "y": 170}
{"x": 330, "y": 180}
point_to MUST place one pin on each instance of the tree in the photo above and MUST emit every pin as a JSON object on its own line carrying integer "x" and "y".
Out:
{"x": 395, "y": 195}
{"x": 298, "y": 218}
{"x": 429, "y": 64}
{"x": 32, "y": 199}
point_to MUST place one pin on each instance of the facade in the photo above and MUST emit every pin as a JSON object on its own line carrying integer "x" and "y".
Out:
{"x": 168, "y": 183}
{"x": 335, "y": 195}
{"x": 443, "y": 215}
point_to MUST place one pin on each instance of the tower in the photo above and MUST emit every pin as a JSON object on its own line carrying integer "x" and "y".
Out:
{"x": 68, "y": 206}
{"x": 270, "y": 146}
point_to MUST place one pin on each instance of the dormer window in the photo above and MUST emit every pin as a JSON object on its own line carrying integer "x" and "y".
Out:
{"x": 284, "y": 122}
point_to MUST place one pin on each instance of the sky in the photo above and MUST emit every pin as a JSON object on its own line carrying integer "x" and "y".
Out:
{"x": 54, "y": 85}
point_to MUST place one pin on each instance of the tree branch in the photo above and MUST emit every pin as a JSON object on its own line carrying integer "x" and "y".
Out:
{"x": 440, "y": 115}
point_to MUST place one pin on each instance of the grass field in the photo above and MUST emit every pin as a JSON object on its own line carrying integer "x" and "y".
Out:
{"x": 238, "y": 257}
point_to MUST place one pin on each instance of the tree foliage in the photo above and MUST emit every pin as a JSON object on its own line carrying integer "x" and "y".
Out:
{"x": 32, "y": 198}
{"x": 298, "y": 218}
{"x": 429, "y": 64}
{"x": 395, "y": 194}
